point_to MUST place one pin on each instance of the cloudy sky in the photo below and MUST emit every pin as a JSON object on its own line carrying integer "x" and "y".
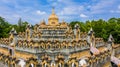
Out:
{"x": 35, "y": 11}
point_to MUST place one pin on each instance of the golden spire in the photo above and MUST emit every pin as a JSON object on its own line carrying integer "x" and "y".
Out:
{"x": 53, "y": 19}
{"x": 53, "y": 12}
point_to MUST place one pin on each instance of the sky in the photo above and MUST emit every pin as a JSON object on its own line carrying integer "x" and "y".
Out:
{"x": 34, "y": 11}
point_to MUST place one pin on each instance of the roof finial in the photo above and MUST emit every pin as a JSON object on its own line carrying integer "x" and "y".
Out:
{"x": 53, "y": 10}
{"x": 63, "y": 20}
{"x": 110, "y": 39}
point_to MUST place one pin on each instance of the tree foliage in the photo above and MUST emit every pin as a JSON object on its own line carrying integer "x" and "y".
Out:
{"x": 101, "y": 28}
{"x": 5, "y": 27}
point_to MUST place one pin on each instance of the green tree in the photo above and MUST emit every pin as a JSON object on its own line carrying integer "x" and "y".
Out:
{"x": 101, "y": 28}
{"x": 21, "y": 25}
{"x": 4, "y": 27}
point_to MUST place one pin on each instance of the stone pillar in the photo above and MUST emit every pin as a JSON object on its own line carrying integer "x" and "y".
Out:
{"x": 110, "y": 44}
{"x": 77, "y": 32}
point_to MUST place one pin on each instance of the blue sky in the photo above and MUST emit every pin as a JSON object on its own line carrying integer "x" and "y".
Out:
{"x": 35, "y": 11}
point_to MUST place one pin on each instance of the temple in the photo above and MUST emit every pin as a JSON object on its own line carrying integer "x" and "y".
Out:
{"x": 56, "y": 44}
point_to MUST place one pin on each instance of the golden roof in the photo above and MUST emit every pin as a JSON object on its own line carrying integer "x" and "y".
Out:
{"x": 79, "y": 55}
{"x": 23, "y": 55}
{"x": 53, "y": 15}
{"x": 4, "y": 51}
{"x": 42, "y": 22}
{"x": 102, "y": 49}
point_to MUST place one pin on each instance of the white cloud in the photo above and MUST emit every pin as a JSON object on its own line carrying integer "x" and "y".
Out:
{"x": 83, "y": 16}
{"x": 70, "y": 10}
{"x": 65, "y": 9}
{"x": 116, "y": 10}
{"x": 67, "y": 2}
{"x": 102, "y": 6}
{"x": 16, "y": 16}
{"x": 118, "y": 6}
{"x": 112, "y": 11}
{"x": 40, "y": 12}
{"x": 54, "y": 4}
{"x": 7, "y": 1}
